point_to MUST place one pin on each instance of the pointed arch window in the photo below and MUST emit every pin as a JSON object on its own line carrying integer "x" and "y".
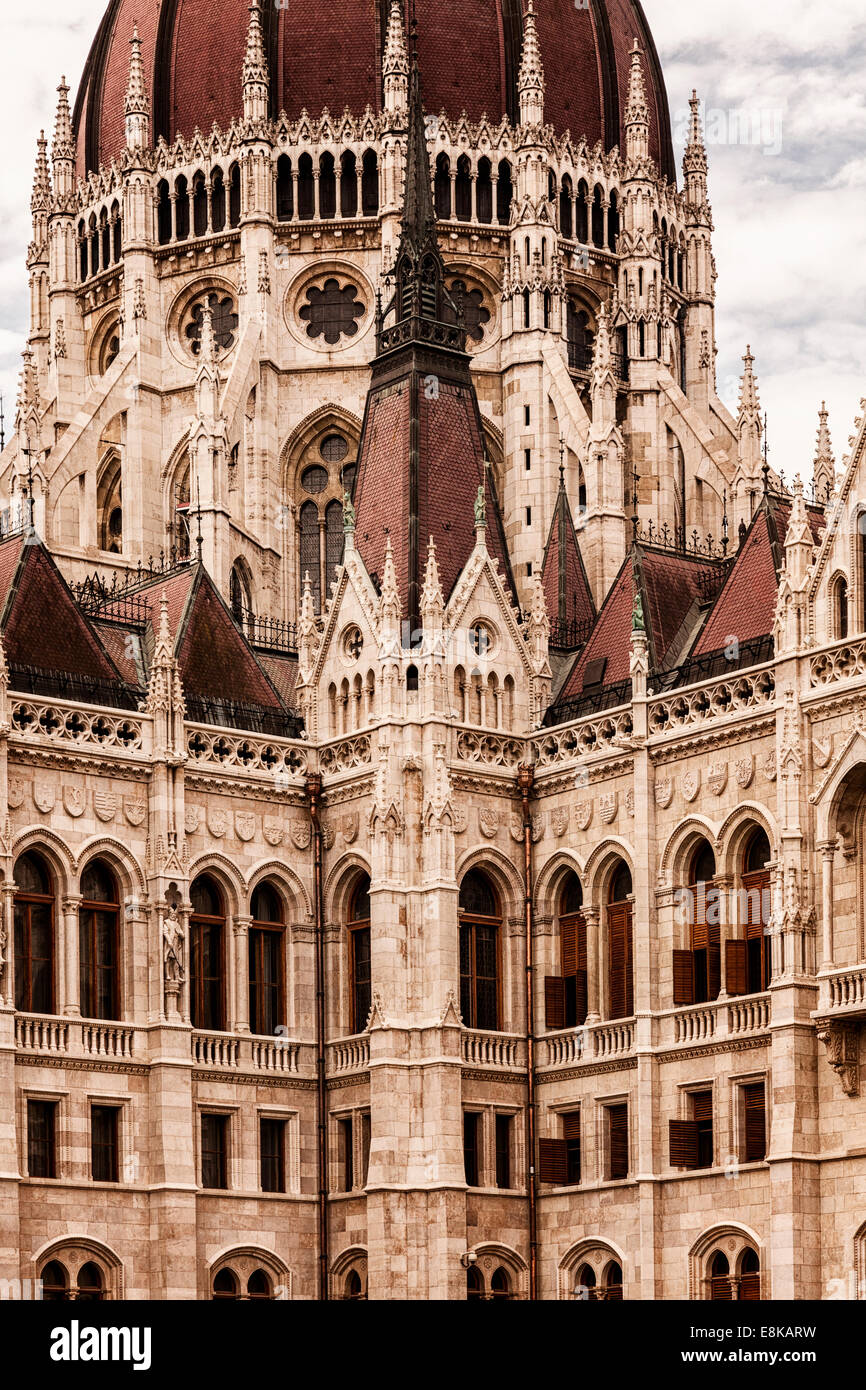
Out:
{"x": 463, "y": 190}
{"x": 179, "y": 524}
{"x": 369, "y": 184}
{"x": 504, "y": 193}
{"x": 181, "y": 209}
{"x": 235, "y": 195}
{"x": 748, "y": 958}
{"x": 267, "y": 937}
{"x": 348, "y": 185}
{"x": 480, "y": 930}
{"x": 333, "y": 540}
{"x": 239, "y": 592}
{"x": 309, "y": 550}
{"x": 109, "y": 501}
{"x": 613, "y": 222}
{"x": 566, "y": 204}
{"x": 327, "y": 186}
{"x": 82, "y": 250}
{"x": 620, "y": 945}
{"x": 484, "y": 191}
{"x": 33, "y": 914}
{"x": 360, "y": 975}
{"x": 840, "y": 608}
{"x": 218, "y": 201}
{"x": 207, "y": 930}
{"x": 582, "y": 223}
{"x": 116, "y": 233}
{"x": 442, "y": 187}
{"x": 163, "y": 213}
{"x": 306, "y": 202}
{"x": 199, "y": 205}
{"x": 285, "y": 190}
{"x": 99, "y": 942}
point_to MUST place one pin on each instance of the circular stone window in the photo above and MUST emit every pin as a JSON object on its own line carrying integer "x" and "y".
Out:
{"x": 225, "y": 322}
{"x": 481, "y": 639}
{"x": 314, "y": 479}
{"x": 353, "y": 643}
{"x": 475, "y": 314}
{"x": 334, "y": 448}
{"x": 331, "y": 312}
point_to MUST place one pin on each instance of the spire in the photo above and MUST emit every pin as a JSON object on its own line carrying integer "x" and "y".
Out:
{"x": 162, "y": 652}
{"x": 256, "y": 84}
{"x": 389, "y": 605}
{"x": 824, "y": 467}
{"x": 432, "y": 600}
{"x": 637, "y": 110}
{"x": 27, "y": 415}
{"x": 798, "y": 538}
{"x": 306, "y": 630}
{"x": 63, "y": 145}
{"x": 208, "y": 376}
{"x": 530, "y": 79}
{"x": 136, "y": 106}
{"x": 695, "y": 158}
{"x": 41, "y": 179}
{"x": 395, "y": 61}
{"x": 602, "y": 357}
{"x": 164, "y": 690}
{"x": 749, "y": 427}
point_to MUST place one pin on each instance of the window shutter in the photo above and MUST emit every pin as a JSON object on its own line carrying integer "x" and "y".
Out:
{"x": 621, "y": 988}
{"x": 755, "y": 1123}
{"x": 699, "y": 918}
{"x": 684, "y": 977}
{"x": 714, "y": 960}
{"x": 568, "y": 943}
{"x": 720, "y": 1289}
{"x": 580, "y": 933}
{"x": 757, "y": 895}
{"x": 571, "y": 1125}
{"x": 554, "y": 1002}
{"x": 702, "y": 1106}
{"x": 552, "y": 1161}
{"x": 684, "y": 1143}
{"x": 750, "y": 1288}
{"x": 735, "y": 967}
{"x": 617, "y": 1119}
{"x": 581, "y": 996}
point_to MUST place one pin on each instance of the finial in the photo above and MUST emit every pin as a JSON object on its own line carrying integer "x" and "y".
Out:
{"x": 725, "y": 522}
{"x": 635, "y": 519}
{"x": 199, "y": 540}
{"x": 562, "y": 463}
{"x": 480, "y": 509}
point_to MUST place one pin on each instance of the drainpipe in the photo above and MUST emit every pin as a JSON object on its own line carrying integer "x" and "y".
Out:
{"x": 314, "y": 791}
{"x": 525, "y": 781}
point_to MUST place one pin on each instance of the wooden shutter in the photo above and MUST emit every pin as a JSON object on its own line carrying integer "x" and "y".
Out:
{"x": 568, "y": 943}
{"x": 699, "y": 918}
{"x": 720, "y": 1289}
{"x": 684, "y": 977}
{"x": 620, "y": 982}
{"x": 554, "y": 1002}
{"x": 684, "y": 1143}
{"x": 755, "y": 1123}
{"x": 552, "y": 1161}
{"x": 736, "y": 974}
{"x": 757, "y": 890}
{"x": 617, "y": 1120}
{"x": 714, "y": 960}
{"x": 750, "y": 1288}
{"x": 702, "y": 1106}
{"x": 581, "y": 996}
{"x": 571, "y": 1126}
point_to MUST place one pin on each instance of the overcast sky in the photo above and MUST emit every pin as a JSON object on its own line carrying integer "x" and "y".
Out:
{"x": 784, "y": 87}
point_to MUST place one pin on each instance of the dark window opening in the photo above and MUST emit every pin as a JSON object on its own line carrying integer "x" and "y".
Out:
{"x": 266, "y": 955}
{"x": 273, "y": 1155}
{"x": 214, "y": 1151}
{"x": 504, "y": 193}
{"x": 348, "y": 185}
{"x": 41, "y": 1138}
{"x": 98, "y": 922}
{"x": 503, "y": 1151}
{"x": 207, "y": 948}
{"x": 104, "y": 1126}
{"x": 360, "y": 961}
{"x": 472, "y": 1148}
{"x": 327, "y": 186}
{"x": 33, "y": 914}
{"x": 347, "y": 1164}
{"x": 369, "y": 184}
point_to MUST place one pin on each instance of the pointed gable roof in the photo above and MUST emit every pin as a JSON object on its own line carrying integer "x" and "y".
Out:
{"x": 570, "y": 605}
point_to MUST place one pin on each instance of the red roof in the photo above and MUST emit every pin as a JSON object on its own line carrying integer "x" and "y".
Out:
{"x": 563, "y": 577}
{"x": 330, "y": 55}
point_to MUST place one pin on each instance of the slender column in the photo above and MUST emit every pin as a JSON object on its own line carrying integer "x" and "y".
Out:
{"x": 172, "y": 197}
{"x": 241, "y": 930}
{"x": 71, "y": 976}
{"x": 359, "y": 195}
{"x": 828, "y": 851}
{"x": 592, "y": 916}
{"x": 7, "y": 974}
{"x": 474, "y": 206}
{"x": 723, "y": 887}
{"x": 295, "y": 213}
{"x": 316, "y": 213}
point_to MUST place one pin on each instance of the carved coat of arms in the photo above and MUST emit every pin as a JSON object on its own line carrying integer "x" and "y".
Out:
{"x": 488, "y": 822}
{"x": 717, "y": 777}
{"x": 690, "y": 783}
{"x": 191, "y": 819}
{"x": 273, "y": 831}
{"x": 300, "y": 832}
{"x": 664, "y": 790}
{"x": 350, "y": 826}
{"x": 245, "y": 825}
{"x": 135, "y": 810}
{"x": 44, "y": 796}
{"x": 744, "y": 771}
{"x": 607, "y": 804}
{"x": 583, "y": 814}
{"x": 15, "y": 791}
{"x": 74, "y": 800}
{"x": 105, "y": 804}
{"x": 559, "y": 821}
{"x": 217, "y": 822}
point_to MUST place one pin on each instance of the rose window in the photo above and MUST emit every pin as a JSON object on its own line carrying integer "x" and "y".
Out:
{"x": 224, "y": 318}
{"x": 331, "y": 312}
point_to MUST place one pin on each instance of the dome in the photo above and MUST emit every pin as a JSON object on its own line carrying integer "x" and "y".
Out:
{"x": 322, "y": 54}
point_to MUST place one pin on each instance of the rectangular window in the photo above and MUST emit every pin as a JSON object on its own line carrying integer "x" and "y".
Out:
{"x": 702, "y": 1115}
{"x": 617, "y": 1142}
{"x": 98, "y": 962}
{"x": 527, "y": 459}
{"x": 104, "y": 1126}
{"x": 529, "y": 570}
{"x": 365, "y": 1147}
{"x": 472, "y": 1147}
{"x": 214, "y": 1150}
{"x": 347, "y": 1157}
{"x": 529, "y": 516}
{"x": 266, "y": 980}
{"x": 273, "y": 1155}
{"x": 359, "y": 951}
{"x": 527, "y": 417}
{"x": 41, "y": 1150}
{"x": 503, "y": 1150}
{"x": 206, "y": 983}
{"x": 571, "y": 1131}
{"x": 754, "y": 1122}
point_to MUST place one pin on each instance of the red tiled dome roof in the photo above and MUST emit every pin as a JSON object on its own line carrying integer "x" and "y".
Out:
{"x": 322, "y": 54}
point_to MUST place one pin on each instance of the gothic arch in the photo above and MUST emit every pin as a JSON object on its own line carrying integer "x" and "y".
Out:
{"x": 593, "y": 1249}
{"x": 243, "y": 1260}
{"x": 550, "y": 880}
{"x": 73, "y": 1251}
{"x": 296, "y": 897}
{"x": 500, "y": 869}
{"x": 680, "y": 842}
{"x": 492, "y": 1253}
{"x": 125, "y": 865}
{"x": 600, "y": 866}
{"x": 735, "y": 830}
{"x": 340, "y": 884}
{"x": 837, "y": 798}
{"x": 353, "y": 1258}
{"x": 227, "y": 876}
{"x": 732, "y": 1238}
{"x": 50, "y": 845}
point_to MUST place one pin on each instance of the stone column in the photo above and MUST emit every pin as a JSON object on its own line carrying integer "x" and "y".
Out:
{"x": 828, "y": 851}
{"x": 240, "y": 931}
{"x": 7, "y": 962}
{"x": 592, "y": 917}
{"x": 70, "y": 957}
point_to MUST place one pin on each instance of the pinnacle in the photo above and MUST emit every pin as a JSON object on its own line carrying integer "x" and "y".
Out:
{"x": 531, "y": 73}
{"x": 395, "y": 59}
{"x": 63, "y": 140}
{"x": 41, "y": 179}
{"x": 637, "y": 109}
{"x": 255, "y": 69}
{"x": 136, "y": 102}
{"x": 431, "y": 594}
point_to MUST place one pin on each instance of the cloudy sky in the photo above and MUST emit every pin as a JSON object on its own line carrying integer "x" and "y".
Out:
{"x": 784, "y": 87}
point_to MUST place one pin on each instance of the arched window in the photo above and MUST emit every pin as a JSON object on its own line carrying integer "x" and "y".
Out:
{"x": 181, "y": 209}
{"x": 500, "y": 1284}
{"x": 285, "y": 191}
{"x": 547, "y": 308}
{"x": 348, "y": 185}
{"x": 369, "y": 184}
{"x": 585, "y": 1284}
{"x": 442, "y": 186}
{"x": 239, "y": 592}
{"x": 267, "y": 937}
{"x": 218, "y": 201}
{"x": 353, "y": 1289}
{"x": 99, "y": 942}
{"x": 474, "y": 1282}
{"x": 619, "y": 945}
{"x": 207, "y": 952}
{"x": 748, "y": 958}
{"x": 597, "y": 218}
{"x": 463, "y": 190}
{"x": 504, "y": 193}
{"x": 566, "y": 217}
{"x": 309, "y": 550}
{"x": 720, "y": 1279}
{"x": 94, "y": 245}
{"x": 749, "y": 1290}
{"x": 480, "y": 924}
{"x": 199, "y": 205}
{"x": 698, "y": 970}
{"x": 582, "y": 224}
{"x": 259, "y": 1285}
{"x": 840, "y": 608}
{"x": 306, "y": 204}
{"x": 235, "y": 195}
{"x": 526, "y": 308}
{"x": 327, "y": 186}
{"x": 225, "y": 1284}
{"x": 611, "y": 1288}
{"x": 579, "y": 336}
{"x": 163, "y": 213}
{"x": 360, "y": 976}
{"x": 116, "y": 232}
{"x": 82, "y": 250}
{"x": 34, "y": 936}
{"x": 613, "y": 222}
{"x": 55, "y": 1282}
{"x": 105, "y": 239}
{"x": 91, "y": 1286}
{"x": 179, "y": 523}
{"x": 565, "y": 995}
{"x": 334, "y": 538}
{"x": 109, "y": 502}
{"x": 484, "y": 192}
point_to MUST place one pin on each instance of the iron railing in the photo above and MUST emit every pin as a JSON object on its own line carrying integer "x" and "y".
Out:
{"x": 88, "y": 690}
{"x": 95, "y": 590}
{"x": 253, "y": 719}
{"x": 724, "y": 662}
{"x": 569, "y": 634}
{"x": 271, "y": 634}
{"x": 591, "y": 702}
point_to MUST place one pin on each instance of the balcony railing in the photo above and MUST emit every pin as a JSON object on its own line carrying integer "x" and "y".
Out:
{"x": 592, "y": 1042}
{"x": 502, "y": 1051}
{"x": 85, "y": 690}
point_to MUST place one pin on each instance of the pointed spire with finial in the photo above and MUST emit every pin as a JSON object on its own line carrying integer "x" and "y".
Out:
{"x": 602, "y": 356}
{"x": 419, "y": 270}
{"x": 27, "y": 413}
{"x": 389, "y": 604}
{"x": 432, "y": 599}
{"x": 41, "y": 196}
{"x": 256, "y": 83}
{"x": 164, "y": 689}
{"x": 395, "y": 61}
{"x": 637, "y": 121}
{"x": 530, "y": 78}
{"x": 136, "y": 106}
{"x": 63, "y": 146}
{"x": 306, "y": 630}
{"x": 749, "y": 427}
{"x": 695, "y": 158}
{"x": 824, "y": 467}
{"x": 208, "y": 375}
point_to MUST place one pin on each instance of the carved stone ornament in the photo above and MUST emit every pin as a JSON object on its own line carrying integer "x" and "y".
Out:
{"x": 350, "y": 826}
{"x": 329, "y": 834}
{"x": 583, "y": 814}
{"x": 273, "y": 830}
{"x": 105, "y": 805}
{"x": 664, "y": 790}
{"x": 191, "y": 819}
{"x": 629, "y": 803}
{"x": 607, "y": 805}
{"x": 770, "y": 766}
{"x": 135, "y": 809}
{"x": 842, "y": 1041}
{"x": 717, "y": 778}
{"x": 822, "y": 752}
{"x": 488, "y": 822}
{"x": 559, "y": 821}
{"x": 537, "y": 823}
{"x": 15, "y": 791}
{"x": 300, "y": 832}
{"x": 461, "y": 820}
{"x": 44, "y": 796}
{"x": 217, "y": 821}
{"x": 690, "y": 783}
{"x": 245, "y": 825}
{"x": 515, "y": 826}
{"x": 744, "y": 771}
{"x": 74, "y": 799}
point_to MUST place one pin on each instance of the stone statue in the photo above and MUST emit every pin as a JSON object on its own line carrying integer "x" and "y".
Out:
{"x": 480, "y": 507}
{"x": 637, "y": 618}
{"x": 348, "y": 514}
{"x": 172, "y": 947}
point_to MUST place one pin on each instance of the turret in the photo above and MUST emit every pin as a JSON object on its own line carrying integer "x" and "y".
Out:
{"x": 68, "y": 368}
{"x": 824, "y": 466}
{"x": 637, "y": 121}
{"x": 603, "y": 536}
{"x": 136, "y": 106}
{"x": 395, "y": 63}
{"x": 530, "y": 79}
{"x": 255, "y": 71}
{"x": 37, "y": 254}
{"x": 699, "y": 268}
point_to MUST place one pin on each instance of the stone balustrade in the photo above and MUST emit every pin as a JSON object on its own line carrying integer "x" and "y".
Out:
{"x": 503, "y": 1051}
